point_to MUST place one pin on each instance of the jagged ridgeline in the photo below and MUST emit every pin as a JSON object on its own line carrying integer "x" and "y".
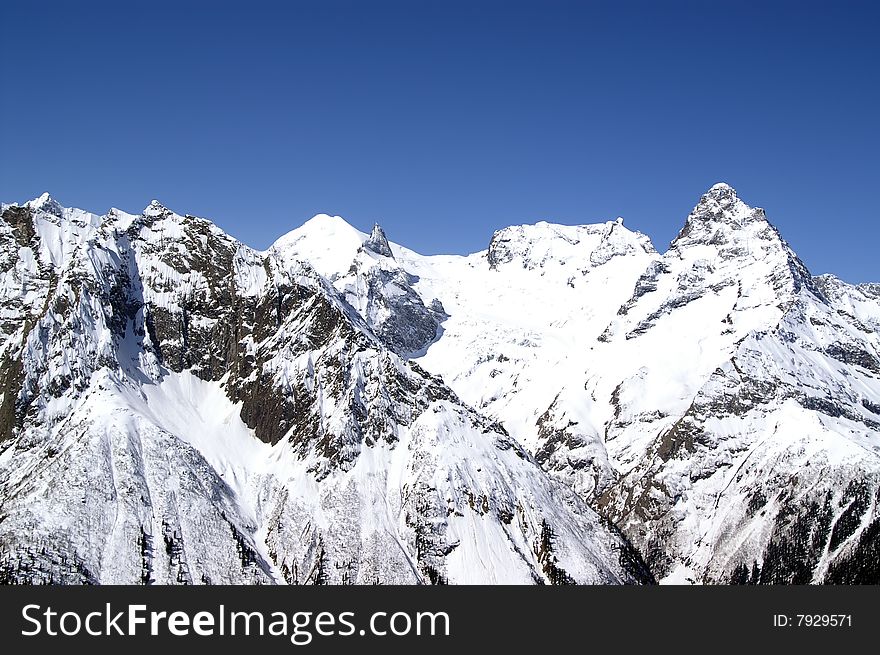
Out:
{"x": 716, "y": 402}
{"x": 178, "y": 408}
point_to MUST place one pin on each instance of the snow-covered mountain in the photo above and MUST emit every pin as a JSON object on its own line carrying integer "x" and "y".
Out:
{"x": 716, "y": 402}
{"x": 178, "y": 407}
{"x": 743, "y": 411}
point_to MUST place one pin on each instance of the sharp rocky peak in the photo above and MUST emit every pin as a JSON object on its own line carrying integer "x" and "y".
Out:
{"x": 721, "y": 203}
{"x": 726, "y": 238}
{"x": 721, "y": 217}
{"x": 378, "y": 242}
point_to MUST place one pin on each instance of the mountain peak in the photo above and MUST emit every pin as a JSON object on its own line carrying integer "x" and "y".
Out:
{"x": 723, "y": 194}
{"x": 720, "y": 206}
{"x": 322, "y": 222}
{"x": 327, "y": 242}
{"x": 46, "y": 203}
{"x": 742, "y": 236}
{"x": 156, "y": 208}
{"x": 722, "y": 187}
{"x": 378, "y": 242}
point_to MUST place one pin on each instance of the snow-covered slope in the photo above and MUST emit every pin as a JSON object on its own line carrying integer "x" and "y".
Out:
{"x": 179, "y": 408}
{"x": 521, "y": 318}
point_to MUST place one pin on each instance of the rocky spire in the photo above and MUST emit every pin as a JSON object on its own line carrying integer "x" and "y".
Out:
{"x": 719, "y": 216}
{"x": 378, "y": 242}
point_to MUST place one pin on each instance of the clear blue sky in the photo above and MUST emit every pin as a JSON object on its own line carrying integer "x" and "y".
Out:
{"x": 445, "y": 121}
